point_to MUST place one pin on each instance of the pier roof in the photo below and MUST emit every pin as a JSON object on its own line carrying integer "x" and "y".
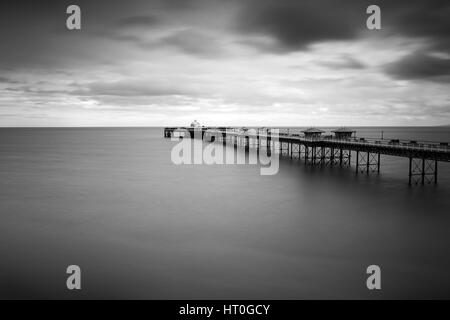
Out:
{"x": 313, "y": 130}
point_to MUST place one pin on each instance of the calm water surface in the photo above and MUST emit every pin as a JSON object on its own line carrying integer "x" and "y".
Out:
{"x": 111, "y": 201}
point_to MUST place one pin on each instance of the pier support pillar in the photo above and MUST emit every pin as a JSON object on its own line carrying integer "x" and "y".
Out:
{"x": 344, "y": 157}
{"x": 367, "y": 162}
{"x": 306, "y": 154}
{"x": 410, "y": 171}
{"x": 422, "y": 171}
{"x": 378, "y": 163}
{"x": 435, "y": 171}
{"x": 323, "y": 155}
{"x": 329, "y": 156}
{"x": 332, "y": 156}
{"x": 314, "y": 155}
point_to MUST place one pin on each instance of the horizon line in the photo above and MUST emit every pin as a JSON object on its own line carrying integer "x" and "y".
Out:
{"x": 229, "y": 126}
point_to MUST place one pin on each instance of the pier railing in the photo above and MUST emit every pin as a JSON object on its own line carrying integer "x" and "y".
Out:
{"x": 391, "y": 143}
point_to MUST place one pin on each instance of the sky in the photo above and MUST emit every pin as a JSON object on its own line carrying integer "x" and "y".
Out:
{"x": 224, "y": 62}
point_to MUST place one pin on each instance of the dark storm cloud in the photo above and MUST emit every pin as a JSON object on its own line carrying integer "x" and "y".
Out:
{"x": 296, "y": 24}
{"x": 428, "y": 19}
{"x": 420, "y": 65}
{"x": 292, "y": 24}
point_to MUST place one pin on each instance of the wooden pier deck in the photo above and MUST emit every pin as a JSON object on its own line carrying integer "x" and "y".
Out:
{"x": 329, "y": 150}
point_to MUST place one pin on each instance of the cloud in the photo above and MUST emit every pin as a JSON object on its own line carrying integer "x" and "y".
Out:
{"x": 133, "y": 88}
{"x": 139, "y": 21}
{"x": 194, "y": 42}
{"x": 296, "y": 24}
{"x": 282, "y": 61}
{"x": 8, "y": 80}
{"x": 420, "y": 19}
{"x": 420, "y": 66}
{"x": 344, "y": 62}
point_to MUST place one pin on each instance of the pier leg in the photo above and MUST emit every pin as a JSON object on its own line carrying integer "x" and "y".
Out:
{"x": 410, "y": 170}
{"x": 357, "y": 162}
{"x": 306, "y": 154}
{"x": 368, "y": 163}
{"x": 314, "y": 156}
{"x": 319, "y": 155}
{"x": 378, "y": 164}
{"x": 423, "y": 171}
{"x": 435, "y": 171}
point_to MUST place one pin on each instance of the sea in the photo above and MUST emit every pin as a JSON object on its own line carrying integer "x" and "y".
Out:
{"x": 111, "y": 201}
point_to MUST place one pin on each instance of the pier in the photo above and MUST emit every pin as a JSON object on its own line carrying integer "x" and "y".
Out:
{"x": 339, "y": 149}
